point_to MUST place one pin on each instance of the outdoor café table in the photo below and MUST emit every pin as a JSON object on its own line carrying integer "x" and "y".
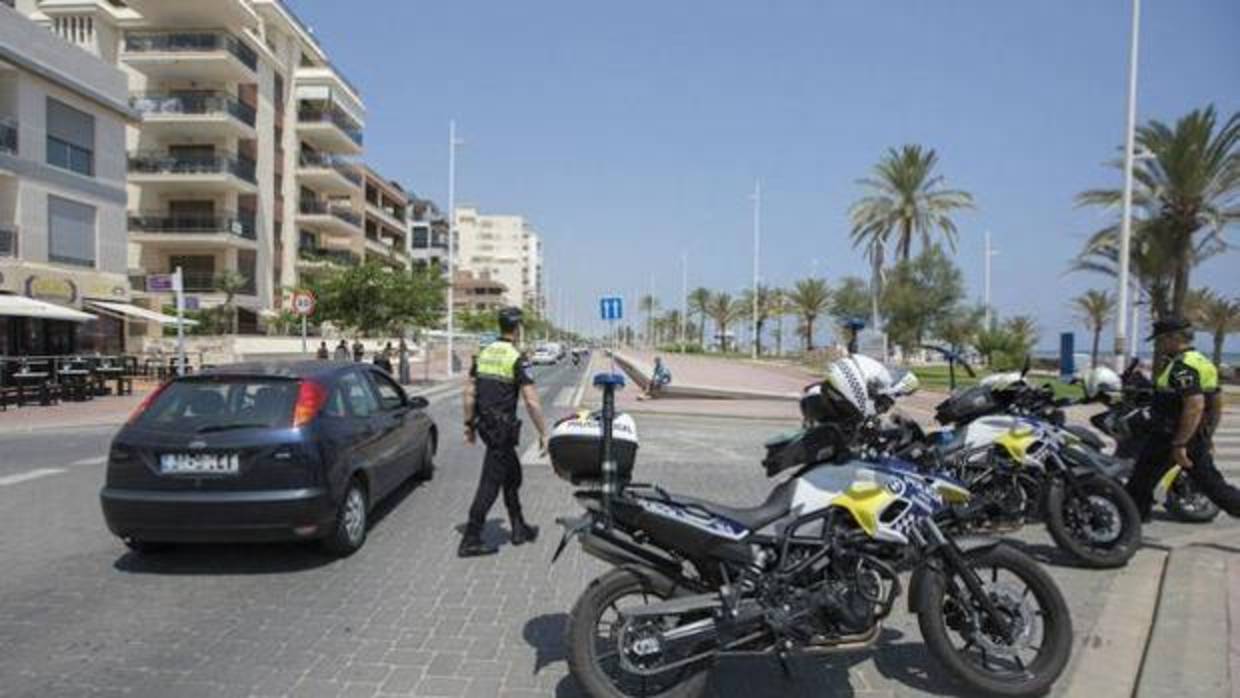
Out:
{"x": 24, "y": 377}
{"x": 78, "y": 380}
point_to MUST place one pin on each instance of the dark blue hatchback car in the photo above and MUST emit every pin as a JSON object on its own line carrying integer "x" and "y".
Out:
{"x": 263, "y": 452}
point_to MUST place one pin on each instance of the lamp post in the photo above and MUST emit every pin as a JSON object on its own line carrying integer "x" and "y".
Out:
{"x": 989, "y": 253}
{"x": 1125, "y": 228}
{"x": 684, "y": 296}
{"x": 757, "y": 240}
{"x": 453, "y": 142}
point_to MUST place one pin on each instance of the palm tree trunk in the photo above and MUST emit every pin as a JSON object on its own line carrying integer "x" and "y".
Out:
{"x": 876, "y": 284}
{"x": 1093, "y": 357}
{"x": 1219, "y": 337}
{"x": 1183, "y": 265}
{"x": 779, "y": 336}
{"x": 809, "y": 333}
{"x": 757, "y": 337}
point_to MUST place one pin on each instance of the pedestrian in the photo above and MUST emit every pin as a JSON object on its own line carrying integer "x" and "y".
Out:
{"x": 1188, "y": 405}
{"x": 342, "y": 351}
{"x": 660, "y": 378}
{"x": 383, "y": 358}
{"x": 500, "y": 374}
{"x": 405, "y": 377}
{"x": 323, "y": 352}
{"x": 359, "y": 350}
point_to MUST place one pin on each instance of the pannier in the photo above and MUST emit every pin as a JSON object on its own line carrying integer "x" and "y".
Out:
{"x": 576, "y": 447}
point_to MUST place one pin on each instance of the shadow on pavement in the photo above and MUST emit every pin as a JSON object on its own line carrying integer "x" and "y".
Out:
{"x": 249, "y": 558}
{"x": 829, "y": 676}
{"x": 1051, "y": 555}
{"x": 493, "y": 532}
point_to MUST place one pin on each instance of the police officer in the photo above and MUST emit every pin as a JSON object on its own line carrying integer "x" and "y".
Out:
{"x": 1187, "y": 407}
{"x": 500, "y": 373}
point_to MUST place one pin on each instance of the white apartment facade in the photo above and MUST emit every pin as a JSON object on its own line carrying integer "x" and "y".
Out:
{"x": 387, "y": 222}
{"x": 506, "y": 248}
{"x": 246, "y": 156}
{"x": 63, "y": 114}
{"x": 428, "y": 234}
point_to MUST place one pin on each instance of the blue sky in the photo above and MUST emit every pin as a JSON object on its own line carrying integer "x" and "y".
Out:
{"x": 630, "y": 132}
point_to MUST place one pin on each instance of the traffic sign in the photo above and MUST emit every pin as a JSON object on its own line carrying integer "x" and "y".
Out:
{"x": 303, "y": 302}
{"x": 611, "y": 307}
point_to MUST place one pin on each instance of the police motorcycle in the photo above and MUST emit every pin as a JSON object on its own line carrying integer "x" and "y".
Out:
{"x": 1008, "y": 441}
{"x": 811, "y": 570}
{"x": 1127, "y": 420}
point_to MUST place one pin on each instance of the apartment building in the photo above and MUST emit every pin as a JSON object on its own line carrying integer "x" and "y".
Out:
{"x": 386, "y": 222}
{"x": 504, "y": 246}
{"x": 428, "y": 234}
{"x": 245, "y": 159}
{"x": 477, "y": 292}
{"x": 62, "y": 195}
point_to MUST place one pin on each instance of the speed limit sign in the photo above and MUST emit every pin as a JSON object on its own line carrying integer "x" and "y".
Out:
{"x": 303, "y": 302}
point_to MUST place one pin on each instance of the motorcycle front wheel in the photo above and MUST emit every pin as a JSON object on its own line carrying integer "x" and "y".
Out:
{"x": 1095, "y": 521}
{"x": 966, "y": 640}
{"x": 1186, "y": 503}
{"x": 593, "y": 645}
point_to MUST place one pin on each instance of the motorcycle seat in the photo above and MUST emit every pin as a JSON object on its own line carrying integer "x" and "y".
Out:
{"x": 777, "y": 505}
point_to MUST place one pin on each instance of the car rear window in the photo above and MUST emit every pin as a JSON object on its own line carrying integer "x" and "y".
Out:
{"x": 211, "y": 404}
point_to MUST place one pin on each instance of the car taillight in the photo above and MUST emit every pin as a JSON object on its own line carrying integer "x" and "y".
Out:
{"x": 310, "y": 399}
{"x": 146, "y": 403}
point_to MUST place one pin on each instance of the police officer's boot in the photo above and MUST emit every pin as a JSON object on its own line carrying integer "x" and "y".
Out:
{"x": 472, "y": 545}
{"x": 522, "y": 532}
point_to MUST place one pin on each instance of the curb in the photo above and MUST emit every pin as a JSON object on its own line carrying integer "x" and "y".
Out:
{"x": 641, "y": 376}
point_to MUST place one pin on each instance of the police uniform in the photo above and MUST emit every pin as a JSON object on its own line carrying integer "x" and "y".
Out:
{"x": 1187, "y": 374}
{"x": 500, "y": 371}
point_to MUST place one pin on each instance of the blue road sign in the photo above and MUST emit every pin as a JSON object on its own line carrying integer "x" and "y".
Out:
{"x": 611, "y": 307}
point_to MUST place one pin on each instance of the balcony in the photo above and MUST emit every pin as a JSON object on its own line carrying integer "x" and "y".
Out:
{"x": 184, "y": 232}
{"x": 199, "y": 173}
{"x": 328, "y": 218}
{"x": 328, "y": 174}
{"x": 228, "y": 13}
{"x": 8, "y": 136}
{"x": 207, "y": 113}
{"x": 318, "y": 256}
{"x": 328, "y": 128}
{"x": 8, "y": 241}
{"x": 206, "y": 56}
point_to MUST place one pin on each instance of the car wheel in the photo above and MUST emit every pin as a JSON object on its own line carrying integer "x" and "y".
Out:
{"x": 426, "y": 462}
{"x": 349, "y": 533}
{"x": 146, "y": 547}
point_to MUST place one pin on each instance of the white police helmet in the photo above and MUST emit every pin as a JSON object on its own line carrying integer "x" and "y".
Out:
{"x": 1101, "y": 380}
{"x": 858, "y": 379}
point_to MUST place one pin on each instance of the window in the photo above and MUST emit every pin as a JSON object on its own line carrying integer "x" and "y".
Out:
{"x": 390, "y": 394}
{"x": 358, "y": 395}
{"x": 70, "y": 232}
{"x": 70, "y": 138}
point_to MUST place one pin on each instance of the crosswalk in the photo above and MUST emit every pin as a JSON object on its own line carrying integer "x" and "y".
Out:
{"x": 1227, "y": 444}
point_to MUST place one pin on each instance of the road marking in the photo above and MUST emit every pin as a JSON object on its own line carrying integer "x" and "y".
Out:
{"x": 30, "y": 475}
{"x": 95, "y": 460}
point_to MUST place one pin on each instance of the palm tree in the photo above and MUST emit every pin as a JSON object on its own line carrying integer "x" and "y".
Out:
{"x": 1189, "y": 189}
{"x": 699, "y": 302}
{"x": 766, "y": 296}
{"x": 724, "y": 310}
{"x": 1216, "y": 315}
{"x": 230, "y": 283}
{"x": 1094, "y": 308}
{"x": 1024, "y": 332}
{"x": 810, "y": 299}
{"x": 649, "y": 305}
{"x": 780, "y": 307}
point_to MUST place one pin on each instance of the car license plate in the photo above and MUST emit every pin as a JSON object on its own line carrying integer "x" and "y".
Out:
{"x": 199, "y": 464}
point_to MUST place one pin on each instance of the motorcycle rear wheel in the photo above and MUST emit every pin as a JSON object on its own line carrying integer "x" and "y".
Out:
{"x": 593, "y": 659}
{"x": 1008, "y": 670}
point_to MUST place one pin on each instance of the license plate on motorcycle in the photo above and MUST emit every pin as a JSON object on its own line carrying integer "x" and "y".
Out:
{"x": 199, "y": 464}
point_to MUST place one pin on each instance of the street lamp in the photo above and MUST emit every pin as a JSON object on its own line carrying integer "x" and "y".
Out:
{"x": 989, "y": 253}
{"x": 453, "y": 142}
{"x": 757, "y": 238}
{"x": 1125, "y": 228}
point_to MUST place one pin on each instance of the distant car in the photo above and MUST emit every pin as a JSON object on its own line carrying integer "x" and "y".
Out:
{"x": 544, "y": 356}
{"x": 265, "y": 452}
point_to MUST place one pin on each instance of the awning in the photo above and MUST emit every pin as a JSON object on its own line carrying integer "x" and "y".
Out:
{"x": 137, "y": 313}
{"x": 21, "y": 306}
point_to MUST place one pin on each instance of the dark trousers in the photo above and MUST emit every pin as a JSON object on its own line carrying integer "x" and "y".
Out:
{"x": 501, "y": 470}
{"x": 1155, "y": 460}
